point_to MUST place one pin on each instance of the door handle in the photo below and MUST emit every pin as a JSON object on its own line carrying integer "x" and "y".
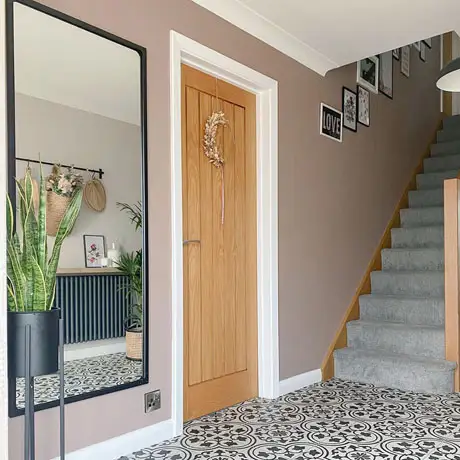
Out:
{"x": 191, "y": 241}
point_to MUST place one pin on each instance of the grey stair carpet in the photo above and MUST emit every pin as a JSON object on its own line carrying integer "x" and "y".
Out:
{"x": 398, "y": 340}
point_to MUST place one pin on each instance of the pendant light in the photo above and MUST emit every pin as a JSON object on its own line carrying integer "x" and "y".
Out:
{"x": 449, "y": 78}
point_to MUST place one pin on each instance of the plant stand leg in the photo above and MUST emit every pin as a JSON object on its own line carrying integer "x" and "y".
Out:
{"x": 29, "y": 422}
{"x": 27, "y": 396}
{"x": 61, "y": 391}
{"x": 32, "y": 418}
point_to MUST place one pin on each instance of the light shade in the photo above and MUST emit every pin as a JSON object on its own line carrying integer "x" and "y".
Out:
{"x": 449, "y": 79}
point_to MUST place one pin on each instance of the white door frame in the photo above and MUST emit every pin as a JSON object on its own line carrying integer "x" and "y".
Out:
{"x": 3, "y": 188}
{"x": 185, "y": 50}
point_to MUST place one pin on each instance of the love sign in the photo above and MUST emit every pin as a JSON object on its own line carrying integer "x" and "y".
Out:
{"x": 331, "y": 123}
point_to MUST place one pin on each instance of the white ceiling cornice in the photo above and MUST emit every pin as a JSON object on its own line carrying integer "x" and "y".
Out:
{"x": 324, "y": 35}
{"x": 253, "y": 23}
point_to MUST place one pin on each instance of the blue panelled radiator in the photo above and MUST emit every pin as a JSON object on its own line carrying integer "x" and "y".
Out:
{"x": 93, "y": 306}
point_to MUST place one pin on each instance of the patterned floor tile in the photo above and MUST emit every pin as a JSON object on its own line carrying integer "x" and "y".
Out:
{"x": 333, "y": 420}
{"x": 83, "y": 376}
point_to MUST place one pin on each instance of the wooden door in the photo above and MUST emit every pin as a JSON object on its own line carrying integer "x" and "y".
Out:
{"x": 220, "y": 259}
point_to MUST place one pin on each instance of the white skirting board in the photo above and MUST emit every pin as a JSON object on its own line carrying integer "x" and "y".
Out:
{"x": 300, "y": 381}
{"x": 125, "y": 444}
{"x": 94, "y": 348}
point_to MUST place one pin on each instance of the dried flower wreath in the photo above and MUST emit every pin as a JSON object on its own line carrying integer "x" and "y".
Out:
{"x": 212, "y": 150}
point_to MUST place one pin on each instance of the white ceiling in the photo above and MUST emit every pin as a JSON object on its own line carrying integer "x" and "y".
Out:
{"x": 61, "y": 63}
{"x": 324, "y": 34}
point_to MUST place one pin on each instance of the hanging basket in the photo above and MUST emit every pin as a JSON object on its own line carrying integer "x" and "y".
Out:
{"x": 134, "y": 344}
{"x": 56, "y": 206}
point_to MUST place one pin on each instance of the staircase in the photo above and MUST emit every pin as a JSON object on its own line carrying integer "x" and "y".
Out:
{"x": 399, "y": 339}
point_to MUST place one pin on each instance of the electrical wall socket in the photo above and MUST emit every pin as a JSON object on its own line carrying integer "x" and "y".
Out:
{"x": 152, "y": 401}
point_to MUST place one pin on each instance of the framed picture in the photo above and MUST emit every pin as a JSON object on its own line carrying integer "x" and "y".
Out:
{"x": 364, "y": 106}
{"x": 331, "y": 123}
{"x": 405, "y": 61}
{"x": 350, "y": 109}
{"x": 368, "y": 73}
{"x": 427, "y": 42}
{"x": 386, "y": 74}
{"x": 94, "y": 250}
{"x": 416, "y": 45}
{"x": 423, "y": 51}
{"x": 397, "y": 53}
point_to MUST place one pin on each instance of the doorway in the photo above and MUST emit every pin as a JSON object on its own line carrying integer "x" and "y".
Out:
{"x": 220, "y": 240}
{"x": 187, "y": 51}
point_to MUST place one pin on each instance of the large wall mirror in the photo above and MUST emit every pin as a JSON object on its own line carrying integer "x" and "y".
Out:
{"x": 76, "y": 111}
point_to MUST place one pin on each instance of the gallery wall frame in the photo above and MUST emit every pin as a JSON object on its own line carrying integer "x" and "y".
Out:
{"x": 364, "y": 106}
{"x": 350, "y": 109}
{"x": 368, "y": 73}
{"x": 386, "y": 74}
{"x": 405, "y": 60}
{"x": 331, "y": 122}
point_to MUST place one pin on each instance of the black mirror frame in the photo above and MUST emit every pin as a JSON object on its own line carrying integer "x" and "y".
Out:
{"x": 13, "y": 410}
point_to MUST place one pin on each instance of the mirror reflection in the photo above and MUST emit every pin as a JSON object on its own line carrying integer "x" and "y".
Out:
{"x": 77, "y": 111}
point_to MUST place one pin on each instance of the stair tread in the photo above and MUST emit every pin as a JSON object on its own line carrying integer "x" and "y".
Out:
{"x": 402, "y": 297}
{"x": 393, "y": 325}
{"x": 428, "y": 236}
{"x": 429, "y": 190}
{"x": 430, "y": 364}
{"x": 422, "y": 216}
{"x": 416, "y": 249}
{"x": 438, "y": 174}
{"x": 408, "y": 258}
{"x": 442, "y": 163}
{"x": 433, "y": 180}
{"x": 426, "y": 209}
{"x": 426, "y": 191}
{"x": 443, "y": 156}
{"x": 409, "y": 272}
{"x": 447, "y": 135}
{"x": 426, "y": 197}
{"x": 439, "y": 148}
{"x": 402, "y": 309}
{"x": 456, "y": 142}
{"x": 436, "y": 227}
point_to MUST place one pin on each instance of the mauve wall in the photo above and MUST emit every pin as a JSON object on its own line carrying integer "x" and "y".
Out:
{"x": 334, "y": 199}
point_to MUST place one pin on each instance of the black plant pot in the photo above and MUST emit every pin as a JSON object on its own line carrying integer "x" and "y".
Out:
{"x": 44, "y": 342}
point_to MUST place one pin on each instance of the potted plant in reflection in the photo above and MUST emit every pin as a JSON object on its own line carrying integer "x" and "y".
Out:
{"x": 130, "y": 265}
{"x": 32, "y": 278}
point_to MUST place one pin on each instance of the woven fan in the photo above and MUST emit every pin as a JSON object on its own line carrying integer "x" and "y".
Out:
{"x": 94, "y": 195}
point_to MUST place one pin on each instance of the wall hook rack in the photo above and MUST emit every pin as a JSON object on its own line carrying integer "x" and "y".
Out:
{"x": 99, "y": 171}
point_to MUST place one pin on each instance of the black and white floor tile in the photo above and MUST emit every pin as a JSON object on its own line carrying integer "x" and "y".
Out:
{"x": 83, "y": 376}
{"x": 334, "y": 420}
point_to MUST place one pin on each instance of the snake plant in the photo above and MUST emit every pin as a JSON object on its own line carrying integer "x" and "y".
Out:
{"x": 31, "y": 274}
